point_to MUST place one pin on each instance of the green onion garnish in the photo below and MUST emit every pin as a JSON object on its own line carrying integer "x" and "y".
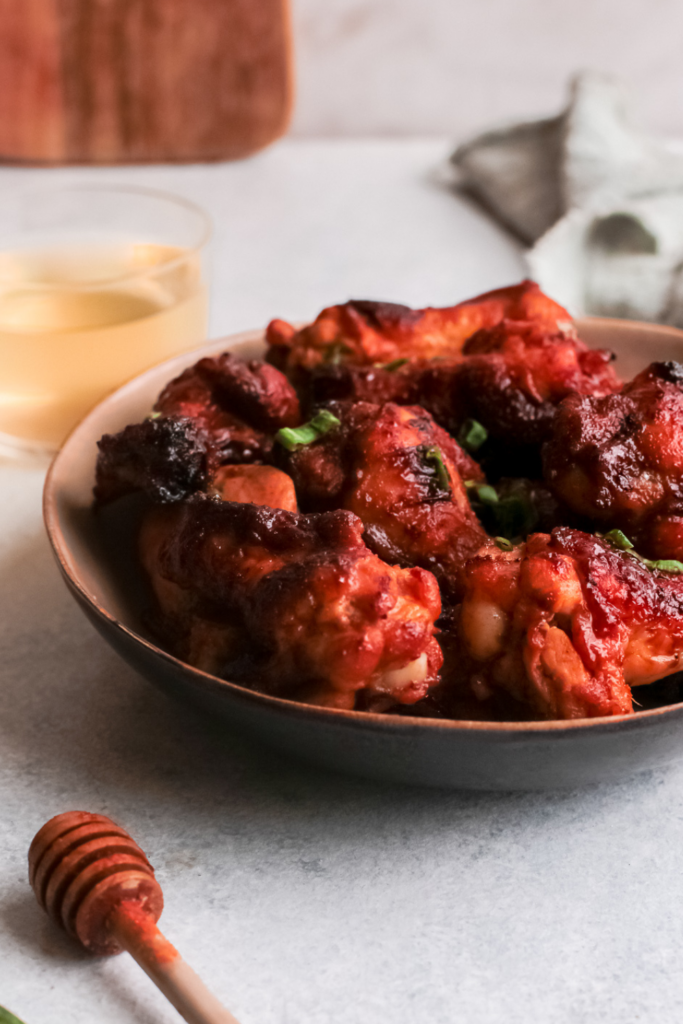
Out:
{"x": 395, "y": 365}
{"x": 503, "y": 543}
{"x": 509, "y": 515}
{"x": 487, "y": 495}
{"x": 335, "y": 352}
{"x": 472, "y": 435}
{"x": 293, "y": 437}
{"x": 515, "y": 516}
{"x": 667, "y": 565}
{"x": 621, "y": 542}
{"x": 618, "y": 540}
{"x": 434, "y": 456}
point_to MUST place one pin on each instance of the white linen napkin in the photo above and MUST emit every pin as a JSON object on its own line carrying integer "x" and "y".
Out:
{"x": 599, "y": 203}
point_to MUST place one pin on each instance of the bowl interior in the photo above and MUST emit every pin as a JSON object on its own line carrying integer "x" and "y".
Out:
{"x": 100, "y": 564}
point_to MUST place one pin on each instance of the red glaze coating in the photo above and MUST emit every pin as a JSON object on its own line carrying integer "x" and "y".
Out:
{"x": 510, "y": 378}
{"x": 81, "y": 866}
{"x": 376, "y": 464}
{"x": 365, "y": 332}
{"x": 618, "y": 460}
{"x": 221, "y": 410}
{"x": 295, "y": 604}
{"x": 566, "y": 624}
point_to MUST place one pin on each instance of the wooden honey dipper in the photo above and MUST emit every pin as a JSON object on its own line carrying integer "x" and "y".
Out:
{"x": 95, "y": 881}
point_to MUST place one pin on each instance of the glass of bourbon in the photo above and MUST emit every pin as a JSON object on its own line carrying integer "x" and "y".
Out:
{"x": 97, "y": 284}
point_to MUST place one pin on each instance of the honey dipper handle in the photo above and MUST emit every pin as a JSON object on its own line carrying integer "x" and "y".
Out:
{"x": 184, "y": 989}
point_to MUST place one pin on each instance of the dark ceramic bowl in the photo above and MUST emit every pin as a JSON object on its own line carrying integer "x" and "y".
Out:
{"x": 458, "y": 754}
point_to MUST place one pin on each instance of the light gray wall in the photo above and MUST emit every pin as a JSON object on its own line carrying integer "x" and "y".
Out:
{"x": 399, "y": 67}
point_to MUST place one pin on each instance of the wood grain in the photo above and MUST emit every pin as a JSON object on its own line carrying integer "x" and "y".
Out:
{"x": 120, "y": 81}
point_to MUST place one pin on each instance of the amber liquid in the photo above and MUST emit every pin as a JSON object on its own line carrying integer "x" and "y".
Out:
{"x": 77, "y": 323}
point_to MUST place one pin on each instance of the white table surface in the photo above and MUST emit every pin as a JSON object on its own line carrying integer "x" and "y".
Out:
{"x": 303, "y": 897}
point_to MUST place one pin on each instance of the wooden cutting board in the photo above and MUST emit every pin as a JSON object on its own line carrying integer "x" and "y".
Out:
{"x": 128, "y": 81}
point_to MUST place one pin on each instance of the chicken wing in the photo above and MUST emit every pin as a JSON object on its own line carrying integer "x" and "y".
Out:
{"x": 618, "y": 460}
{"x": 566, "y": 624}
{"x": 366, "y": 333}
{"x": 221, "y": 410}
{"x": 402, "y": 475}
{"x": 292, "y": 605}
{"x": 509, "y": 378}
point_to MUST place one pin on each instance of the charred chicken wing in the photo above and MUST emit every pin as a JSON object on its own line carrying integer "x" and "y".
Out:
{"x": 221, "y": 410}
{"x": 509, "y": 378}
{"x": 618, "y": 460}
{"x": 295, "y": 605}
{"x": 403, "y": 477}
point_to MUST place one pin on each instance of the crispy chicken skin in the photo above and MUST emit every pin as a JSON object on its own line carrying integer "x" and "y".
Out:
{"x": 296, "y": 605}
{"x": 364, "y": 332}
{"x": 515, "y": 374}
{"x": 566, "y": 624}
{"x": 238, "y": 405}
{"x": 402, "y": 475}
{"x": 509, "y": 377}
{"x": 618, "y": 460}
{"x": 167, "y": 459}
{"x": 221, "y": 410}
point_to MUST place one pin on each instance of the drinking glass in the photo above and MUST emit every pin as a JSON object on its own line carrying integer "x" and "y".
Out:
{"x": 97, "y": 283}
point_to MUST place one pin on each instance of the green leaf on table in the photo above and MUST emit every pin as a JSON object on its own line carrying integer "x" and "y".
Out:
{"x": 8, "y": 1018}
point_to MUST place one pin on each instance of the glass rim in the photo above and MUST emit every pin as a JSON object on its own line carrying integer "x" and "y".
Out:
{"x": 205, "y": 232}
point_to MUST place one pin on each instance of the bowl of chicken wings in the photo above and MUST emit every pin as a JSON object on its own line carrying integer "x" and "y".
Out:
{"x": 437, "y": 546}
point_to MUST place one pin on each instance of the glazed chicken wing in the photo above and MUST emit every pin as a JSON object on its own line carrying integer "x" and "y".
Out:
{"x": 618, "y": 460}
{"x": 514, "y": 375}
{"x": 566, "y": 624}
{"x": 403, "y": 476}
{"x": 366, "y": 333}
{"x": 295, "y": 605}
{"x": 510, "y": 378}
{"x": 221, "y": 410}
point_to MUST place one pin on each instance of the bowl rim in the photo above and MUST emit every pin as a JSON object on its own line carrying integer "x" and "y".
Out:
{"x": 208, "y": 681}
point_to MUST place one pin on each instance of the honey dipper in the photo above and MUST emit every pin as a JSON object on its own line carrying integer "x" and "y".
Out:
{"x": 95, "y": 881}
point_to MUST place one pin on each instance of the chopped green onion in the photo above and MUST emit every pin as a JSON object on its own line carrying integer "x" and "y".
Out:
{"x": 515, "y": 516}
{"x": 487, "y": 495}
{"x": 618, "y": 540}
{"x": 503, "y": 543}
{"x": 667, "y": 565}
{"x": 472, "y": 435}
{"x": 510, "y": 514}
{"x": 395, "y": 365}
{"x": 293, "y": 437}
{"x": 621, "y": 542}
{"x": 434, "y": 455}
{"x": 154, "y": 415}
{"x": 335, "y": 352}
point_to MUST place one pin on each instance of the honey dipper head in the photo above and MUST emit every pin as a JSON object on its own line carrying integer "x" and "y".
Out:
{"x": 83, "y": 865}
